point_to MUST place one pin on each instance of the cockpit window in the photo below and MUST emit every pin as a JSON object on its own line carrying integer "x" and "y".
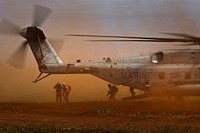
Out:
{"x": 158, "y": 57}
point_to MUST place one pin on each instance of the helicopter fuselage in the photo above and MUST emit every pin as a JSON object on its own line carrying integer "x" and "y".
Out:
{"x": 162, "y": 70}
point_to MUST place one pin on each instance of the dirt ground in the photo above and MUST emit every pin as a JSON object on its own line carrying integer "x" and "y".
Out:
{"x": 143, "y": 114}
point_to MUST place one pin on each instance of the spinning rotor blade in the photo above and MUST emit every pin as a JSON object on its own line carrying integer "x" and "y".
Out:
{"x": 188, "y": 44}
{"x": 78, "y": 35}
{"x": 41, "y": 13}
{"x": 17, "y": 59}
{"x": 182, "y": 37}
{"x": 129, "y": 37}
{"x": 147, "y": 40}
{"x": 7, "y": 27}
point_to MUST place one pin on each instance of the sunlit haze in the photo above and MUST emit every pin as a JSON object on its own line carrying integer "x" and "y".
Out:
{"x": 101, "y": 17}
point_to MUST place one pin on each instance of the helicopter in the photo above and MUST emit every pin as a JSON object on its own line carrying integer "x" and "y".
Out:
{"x": 171, "y": 72}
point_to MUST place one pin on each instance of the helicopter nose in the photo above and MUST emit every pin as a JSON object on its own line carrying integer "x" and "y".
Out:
{"x": 23, "y": 32}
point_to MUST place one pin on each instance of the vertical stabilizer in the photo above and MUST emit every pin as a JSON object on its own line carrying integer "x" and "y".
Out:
{"x": 44, "y": 53}
{"x": 40, "y": 46}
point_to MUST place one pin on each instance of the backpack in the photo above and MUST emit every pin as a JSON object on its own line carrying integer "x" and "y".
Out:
{"x": 115, "y": 89}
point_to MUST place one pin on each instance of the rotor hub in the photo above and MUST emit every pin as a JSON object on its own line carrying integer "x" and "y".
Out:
{"x": 32, "y": 33}
{"x": 23, "y": 32}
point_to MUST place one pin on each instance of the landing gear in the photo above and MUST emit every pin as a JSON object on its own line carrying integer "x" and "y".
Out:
{"x": 40, "y": 78}
{"x": 134, "y": 97}
{"x": 147, "y": 87}
{"x": 146, "y": 91}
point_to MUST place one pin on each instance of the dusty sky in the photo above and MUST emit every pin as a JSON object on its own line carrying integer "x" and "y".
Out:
{"x": 108, "y": 17}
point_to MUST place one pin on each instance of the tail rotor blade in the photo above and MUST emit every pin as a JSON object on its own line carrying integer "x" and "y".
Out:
{"x": 41, "y": 13}
{"x": 17, "y": 59}
{"x": 7, "y": 27}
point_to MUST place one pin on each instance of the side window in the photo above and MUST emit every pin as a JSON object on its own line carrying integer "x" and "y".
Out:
{"x": 154, "y": 59}
{"x": 158, "y": 57}
{"x": 187, "y": 75}
{"x": 161, "y": 75}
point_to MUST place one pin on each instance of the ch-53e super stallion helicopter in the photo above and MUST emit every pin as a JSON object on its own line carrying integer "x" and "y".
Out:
{"x": 167, "y": 72}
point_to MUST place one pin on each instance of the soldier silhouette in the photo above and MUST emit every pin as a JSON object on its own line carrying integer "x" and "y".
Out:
{"x": 132, "y": 91}
{"x": 66, "y": 91}
{"x": 112, "y": 92}
{"x": 58, "y": 88}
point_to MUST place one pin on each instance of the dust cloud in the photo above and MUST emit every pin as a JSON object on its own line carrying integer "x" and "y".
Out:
{"x": 17, "y": 86}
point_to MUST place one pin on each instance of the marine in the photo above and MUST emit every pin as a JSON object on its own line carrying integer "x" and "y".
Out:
{"x": 112, "y": 92}
{"x": 58, "y": 88}
{"x": 66, "y": 90}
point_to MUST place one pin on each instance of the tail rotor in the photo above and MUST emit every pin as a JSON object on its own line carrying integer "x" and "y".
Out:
{"x": 7, "y": 27}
